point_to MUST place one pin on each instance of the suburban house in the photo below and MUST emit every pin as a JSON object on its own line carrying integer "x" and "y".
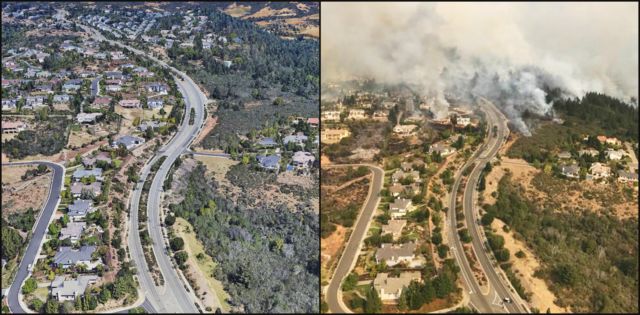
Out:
{"x": 9, "y": 104}
{"x": 463, "y": 121}
{"x": 101, "y": 101}
{"x": 113, "y": 88}
{"x": 396, "y": 190}
{"x": 380, "y": 116}
{"x": 157, "y": 88}
{"x": 399, "y": 207}
{"x": 399, "y": 175}
{"x": 357, "y": 114}
{"x": 394, "y": 227}
{"x": 590, "y": 152}
{"x": 615, "y": 154}
{"x": 441, "y": 148}
{"x": 155, "y": 102}
{"x": 607, "y": 140}
{"x": 412, "y": 189}
{"x": 299, "y": 139}
{"x": 73, "y": 231}
{"x": 571, "y": 171}
{"x": 303, "y": 160}
{"x": 34, "y": 101}
{"x": 391, "y": 288}
{"x": 67, "y": 257}
{"x": 330, "y": 136}
{"x": 79, "y": 209}
{"x": 13, "y": 126}
{"x": 72, "y": 85}
{"x": 77, "y": 188}
{"x": 151, "y": 124}
{"x": 599, "y": 170}
{"x": 267, "y": 142}
{"x": 130, "y": 103}
{"x": 68, "y": 290}
{"x": 313, "y": 122}
{"x": 564, "y": 155}
{"x": 89, "y": 162}
{"x": 130, "y": 142}
{"x": 331, "y": 115}
{"x": 269, "y": 162}
{"x": 627, "y": 177}
{"x": 395, "y": 254}
{"x": 82, "y": 173}
{"x": 61, "y": 98}
{"x": 87, "y": 117}
{"x": 404, "y": 130}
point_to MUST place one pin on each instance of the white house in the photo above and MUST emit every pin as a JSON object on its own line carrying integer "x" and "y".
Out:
{"x": 390, "y": 289}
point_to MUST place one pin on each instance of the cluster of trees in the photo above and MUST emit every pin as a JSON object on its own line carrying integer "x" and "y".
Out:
{"x": 418, "y": 294}
{"x": 260, "y": 273}
{"x": 11, "y": 242}
{"x": 22, "y": 220}
{"x": 49, "y": 138}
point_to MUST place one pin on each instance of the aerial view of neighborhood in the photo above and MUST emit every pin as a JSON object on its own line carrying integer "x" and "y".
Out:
{"x": 160, "y": 157}
{"x": 479, "y": 158}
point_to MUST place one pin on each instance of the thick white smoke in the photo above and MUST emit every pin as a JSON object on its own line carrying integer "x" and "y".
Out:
{"x": 506, "y": 52}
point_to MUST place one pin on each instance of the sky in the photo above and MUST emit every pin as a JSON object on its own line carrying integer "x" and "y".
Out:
{"x": 505, "y": 52}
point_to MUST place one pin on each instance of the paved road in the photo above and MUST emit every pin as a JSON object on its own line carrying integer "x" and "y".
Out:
{"x": 498, "y": 289}
{"x": 354, "y": 244}
{"x": 41, "y": 227}
{"x": 95, "y": 86}
{"x": 172, "y": 296}
{"x": 225, "y": 155}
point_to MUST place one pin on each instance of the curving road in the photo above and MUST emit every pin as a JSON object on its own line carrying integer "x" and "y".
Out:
{"x": 172, "y": 297}
{"x": 499, "y": 289}
{"x": 352, "y": 249}
{"x": 39, "y": 231}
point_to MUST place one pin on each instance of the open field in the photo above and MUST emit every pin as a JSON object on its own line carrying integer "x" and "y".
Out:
{"x": 201, "y": 268}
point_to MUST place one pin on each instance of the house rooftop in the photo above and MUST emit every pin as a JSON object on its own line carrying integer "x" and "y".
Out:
{"x": 67, "y": 255}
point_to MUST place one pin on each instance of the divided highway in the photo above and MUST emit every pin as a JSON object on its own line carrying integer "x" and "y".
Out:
{"x": 172, "y": 297}
{"x": 351, "y": 251}
{"x": 498, "y": 289}
{"x": 41, "y": 227}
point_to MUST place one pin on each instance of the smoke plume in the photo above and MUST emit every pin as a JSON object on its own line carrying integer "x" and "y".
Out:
{"x": 505, "y": 52}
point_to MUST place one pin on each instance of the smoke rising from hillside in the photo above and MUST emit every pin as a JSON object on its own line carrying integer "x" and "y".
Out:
{"x": 504, "y": 52}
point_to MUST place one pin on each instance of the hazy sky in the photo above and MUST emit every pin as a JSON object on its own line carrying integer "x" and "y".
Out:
{"x": 577, "y": 46}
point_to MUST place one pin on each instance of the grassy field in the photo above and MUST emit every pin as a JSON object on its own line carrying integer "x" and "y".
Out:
{"x": 206, "y": 265}
{"x": 41, "y": 293}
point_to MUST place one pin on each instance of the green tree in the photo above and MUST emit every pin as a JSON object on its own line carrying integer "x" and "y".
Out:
{"x": 36, "y": 305}
{"x": 181, "y": 257}
{"x": 436, "y": 238}
{"x": 29, "y": 286}
{"x": 105, "y": 295}
{"x": 373, "y": 304}
{"x": 177, "y": 244}
{"x": 52, "y": 307}
{"x": 487, "y": 218}
{"x": 169, "y": 220}
{"x": 350, "y": 282}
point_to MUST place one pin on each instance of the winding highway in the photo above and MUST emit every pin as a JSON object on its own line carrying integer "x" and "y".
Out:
{"x": 38, "y": 232}
{"x": 351, "y": 251}
{"x": 499, "y": 287}
{"x": 173, "y": 296}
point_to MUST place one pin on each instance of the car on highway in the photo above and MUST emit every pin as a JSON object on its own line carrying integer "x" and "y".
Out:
{"x": 507, "y": 300}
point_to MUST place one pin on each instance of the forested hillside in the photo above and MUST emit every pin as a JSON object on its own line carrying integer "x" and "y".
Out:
{"x": 265, "y": 69}
{"x": 267, "y": 256}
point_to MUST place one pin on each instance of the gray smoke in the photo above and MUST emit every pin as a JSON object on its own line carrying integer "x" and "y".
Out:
{"x": 506, "y": 53}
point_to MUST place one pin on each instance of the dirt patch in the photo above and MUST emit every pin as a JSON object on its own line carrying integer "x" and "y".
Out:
{"x": 217, "y": 166}
{"x": 18, "y": 195}
{"x": 209, "y": 124}
{"x": 522, "y": 173}
{"x": 237, "y": 10}
{"x": 542, "y": 298}
{"x": 201, "y": 269}
{"x": 330, "y": 247}
{"x": 288, "y": 178}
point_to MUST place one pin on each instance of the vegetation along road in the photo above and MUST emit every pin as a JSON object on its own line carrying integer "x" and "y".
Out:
{"x": 499, "y": 289}
{"x": 352, "y": 249}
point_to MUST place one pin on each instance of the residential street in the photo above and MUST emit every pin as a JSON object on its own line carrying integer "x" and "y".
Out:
{"x": 352, "y": 249}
